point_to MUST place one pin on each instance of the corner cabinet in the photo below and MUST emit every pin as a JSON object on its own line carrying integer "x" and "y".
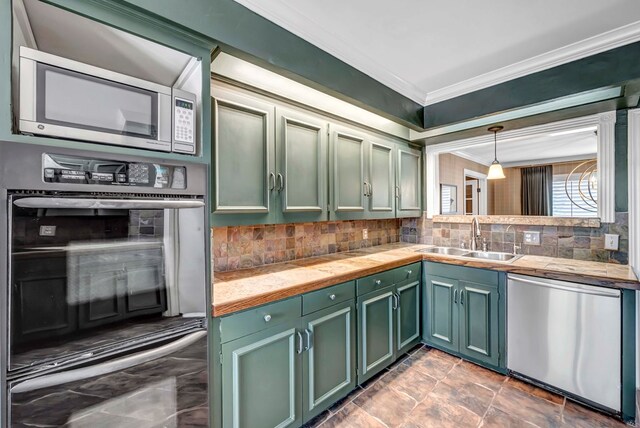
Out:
{"x": 286, "y": 362}
{"x": 464, "y": 312}
{"x": 409, "y": 182}
{"x": 388, "y": 318}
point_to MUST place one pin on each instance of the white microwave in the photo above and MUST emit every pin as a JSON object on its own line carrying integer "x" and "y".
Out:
{"x": 63, "y": 98}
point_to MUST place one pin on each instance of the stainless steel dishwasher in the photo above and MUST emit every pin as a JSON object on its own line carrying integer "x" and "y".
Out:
{"x": 567, "y": 336}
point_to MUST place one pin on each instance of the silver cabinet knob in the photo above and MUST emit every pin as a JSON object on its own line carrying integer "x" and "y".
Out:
{"x": 267, "y": 318}
{"x": 332, "y": 297}
{"x": 409, "y": 272}
{"x": 378, "y": 282}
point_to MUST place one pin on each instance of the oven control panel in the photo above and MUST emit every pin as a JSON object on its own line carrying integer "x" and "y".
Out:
{"x": 79, "y": 170}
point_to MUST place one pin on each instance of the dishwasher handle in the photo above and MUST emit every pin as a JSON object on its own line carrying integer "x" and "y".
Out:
{"x": 565, "y": 286}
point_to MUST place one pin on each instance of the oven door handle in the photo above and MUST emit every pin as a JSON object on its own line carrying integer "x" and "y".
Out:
{"x": 118, "y": 364}
{"x": 86, "y": 203}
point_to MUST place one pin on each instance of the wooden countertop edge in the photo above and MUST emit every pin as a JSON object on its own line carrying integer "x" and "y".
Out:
{"x": 302, "y": 288}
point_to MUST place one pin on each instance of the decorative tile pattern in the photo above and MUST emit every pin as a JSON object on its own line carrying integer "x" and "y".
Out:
{"x": 580, "y": 243}
{"x": 430, "y": 388}
{"x": 245, "y": 247}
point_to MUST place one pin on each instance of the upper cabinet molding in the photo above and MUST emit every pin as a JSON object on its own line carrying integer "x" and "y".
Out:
{"x": 607, "y": 167}
{"x": 634, "y": 189}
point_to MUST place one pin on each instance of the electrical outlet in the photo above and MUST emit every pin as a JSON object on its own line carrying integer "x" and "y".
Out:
{"x": 365, "y": 233}
{"x": 611, "y": 241}
{"x": 531, "y": 238}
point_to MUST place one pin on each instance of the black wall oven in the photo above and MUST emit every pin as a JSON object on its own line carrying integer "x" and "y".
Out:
{"x": 106, "y": 270}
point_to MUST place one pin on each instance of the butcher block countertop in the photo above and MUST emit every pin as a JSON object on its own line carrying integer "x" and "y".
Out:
{"x": 243, "y": 289}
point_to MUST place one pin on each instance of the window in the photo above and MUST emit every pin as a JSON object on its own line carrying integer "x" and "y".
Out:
{"x": 562, "y": 205}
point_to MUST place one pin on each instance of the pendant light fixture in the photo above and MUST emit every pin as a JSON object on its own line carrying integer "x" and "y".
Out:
{"x": 495, "y": 170}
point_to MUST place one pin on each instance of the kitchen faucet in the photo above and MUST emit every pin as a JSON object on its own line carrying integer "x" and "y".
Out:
{"x": 516, "y": 247}
{"x": 475, "y": 233}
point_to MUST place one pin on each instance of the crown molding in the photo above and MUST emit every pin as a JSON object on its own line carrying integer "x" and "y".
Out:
{"x": 593, "y": 45}
{"x": 302, "y": 26}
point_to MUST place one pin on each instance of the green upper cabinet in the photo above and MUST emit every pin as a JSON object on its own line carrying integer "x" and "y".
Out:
{"x": 301, "y": 142}
{"x": 276, "y": 163}
{"x": 464, "y": 314}
{"x": 244, "y": 167}
{"x": 409, "y": 188}
{"x": 363, "y": 175}
{"x": 261, "y": 379}
{"x": 348, "y": 186}
{"x": 381, "y": 179}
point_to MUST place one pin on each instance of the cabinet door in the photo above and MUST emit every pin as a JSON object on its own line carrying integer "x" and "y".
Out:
{"x": 261, "y": 379}
{"x": 408, "y": 316}
{"x": 244, "y": 159}
{"x": 376, "y": 345}
{"x": 347, "y": 174}
{"x": 409, "y": 182}
{"x": 302, "y": 170}
{"x": 381, "y": 177}
{"x": 479, "y": 322}
{"x": 330, "y": 361}
{"x": 441, "y": 312}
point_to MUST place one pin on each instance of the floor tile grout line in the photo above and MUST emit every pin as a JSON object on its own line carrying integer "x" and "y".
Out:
{"x": 495, "y": 394}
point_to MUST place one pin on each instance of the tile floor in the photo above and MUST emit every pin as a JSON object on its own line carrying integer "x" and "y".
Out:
{"x": 430, "y": 388}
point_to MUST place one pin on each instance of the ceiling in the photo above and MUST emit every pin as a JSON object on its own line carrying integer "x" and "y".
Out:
{"x": 90, "y": 42}
{"x": 540, "y": 149}
{"x": 433, "y": 50}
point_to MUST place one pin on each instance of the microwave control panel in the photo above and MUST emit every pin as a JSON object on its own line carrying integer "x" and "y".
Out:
{"x": 79, "y": 170}
{"x": 184, "y": 123}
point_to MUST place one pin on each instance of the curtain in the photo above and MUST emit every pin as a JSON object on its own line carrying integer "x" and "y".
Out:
{"x": 537, "y": 190}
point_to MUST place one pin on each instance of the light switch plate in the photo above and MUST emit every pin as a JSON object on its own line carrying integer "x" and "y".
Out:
{"x": 365, "y": 233}
{"x": 531, "y": 238}
{"x": 611, "y": 241}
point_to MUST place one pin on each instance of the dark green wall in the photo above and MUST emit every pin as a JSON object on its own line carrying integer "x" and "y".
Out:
{"x": 613, "y": 67}
{"x": 246, "y": 33}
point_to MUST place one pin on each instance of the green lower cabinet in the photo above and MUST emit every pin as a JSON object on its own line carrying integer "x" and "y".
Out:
{"x": 479, "y": 322}
{"x": 262, "y": 379}
{"x": 329, "y": 365}
{"x": 441, "y": 313}
{"x": 376, "y": 336}
{"x": 408, "y": 316}
{"x": 463, "y": 313}
{"x": 287, "y": 374}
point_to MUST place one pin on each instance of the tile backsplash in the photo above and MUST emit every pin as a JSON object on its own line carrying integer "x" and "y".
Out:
{"x": 240, "y": 247}
{"x": 582, "y": 243}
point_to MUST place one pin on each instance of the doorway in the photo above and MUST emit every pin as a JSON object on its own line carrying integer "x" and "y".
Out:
{"x": 475, "y": 193}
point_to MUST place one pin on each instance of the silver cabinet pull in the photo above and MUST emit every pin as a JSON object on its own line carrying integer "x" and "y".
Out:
{"x": 397, "y": 192}
{"x": 299, "y": 350}
{"x": 378, "y": 282}
{"x": 462, "y": 297}
{"x": 370, "y": 189}
{"x": 280, "y": 182}
{"x": 409, "y": 272}
{"x": 308, "y": 334}
{"x": 332, "y": 297}
{"x": 395, "y": 301}
{"x": 267, "y": 318}
{"x": 455, "y": 296}
{"x": 366, "y": 189}
{"x": 272, "y": 181}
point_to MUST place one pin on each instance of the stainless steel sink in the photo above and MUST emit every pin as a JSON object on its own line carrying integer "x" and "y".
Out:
{"x": 484, "y": 255}
{"x": 445, "y": 250}
{"x": 490, "y": 255}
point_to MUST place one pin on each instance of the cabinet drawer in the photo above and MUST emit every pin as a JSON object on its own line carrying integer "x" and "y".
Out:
{"x": 253, "y": 320}
{"x": 408, "y": 273}
{"x": 329, "y": 296}
{"x": 462, "y": 273}
{"x": 376, "y": 282}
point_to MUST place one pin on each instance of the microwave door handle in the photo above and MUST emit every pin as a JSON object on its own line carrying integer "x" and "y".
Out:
{"x": 84, "y": 203}
{"x": 111, "y": 366}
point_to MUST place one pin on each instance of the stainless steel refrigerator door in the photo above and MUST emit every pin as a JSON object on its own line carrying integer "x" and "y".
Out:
{"x": 566, "y": 335}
